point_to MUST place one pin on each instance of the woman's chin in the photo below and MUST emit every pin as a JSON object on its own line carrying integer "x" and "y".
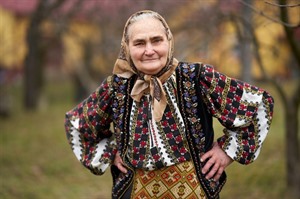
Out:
{"x": 150, "y": 70}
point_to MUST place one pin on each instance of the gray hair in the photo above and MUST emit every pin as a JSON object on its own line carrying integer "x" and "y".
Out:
{"x": 144, "y": 15}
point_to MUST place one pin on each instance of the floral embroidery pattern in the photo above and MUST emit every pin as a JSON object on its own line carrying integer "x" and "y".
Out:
{"x": 154, "y": 145}
{"x": 243, "y": 109}
{"x": 91, "y": 140}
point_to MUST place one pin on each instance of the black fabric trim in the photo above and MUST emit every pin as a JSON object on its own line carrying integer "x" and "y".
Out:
{"x": 182, "y": 76}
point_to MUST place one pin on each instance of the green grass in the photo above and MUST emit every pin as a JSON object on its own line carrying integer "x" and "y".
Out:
{"x": 37, "y": 162}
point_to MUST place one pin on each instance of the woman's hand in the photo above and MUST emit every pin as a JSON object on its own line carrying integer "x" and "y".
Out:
{"x": 118, "y": 162}
{"x": 218, "y": 160}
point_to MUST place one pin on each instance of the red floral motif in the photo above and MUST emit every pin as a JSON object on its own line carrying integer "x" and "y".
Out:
{"x": 134, "y": 162}
{"x": 234, "y": 110}
{"x": 248, "y": 114}
{"x": 106, "y": 155}
{"x": 144, "y": 130}
{"x": 136, "y": 150}
{"x": 247, "y": 86}
{"x": 168, "y": 114}
{"x": 226, "y": 112}
{"x": 178, "y": 139}
{"x": 143, "y": 144}
{"x": 181, "y": 159}
{"x": 137, "y": 136}
{"x": 164, "y": 123}
{"x": 182, "y": 150}
{"x": 242, "y": 107}
{"x": 251, "y": 135}
{"x": 140, "y": 110}
{"x": 229, "y": 101}
{"x": 142, "y": 157}
{"x": 232, "y": 89}
{"x": 237, "y": 98}
{"x": 90, "y": 104}
{"x": 94, "y": 96}
{"x": 219, "y": 100}
{"x": 245, "y": 142}
{"x": 174, "y": 147}
{"x": 245, "y": 154}
{"x": 173, "y": 127}
{"x": 169, "y": 135}
{"x": 219, "y": 89}
{"x": 239, "y": 86}
{"x": 156, "y": 157}
{"x": 139, "y": 123}
{"x": 252, "y": 148}
{"x": 103, "y": 120}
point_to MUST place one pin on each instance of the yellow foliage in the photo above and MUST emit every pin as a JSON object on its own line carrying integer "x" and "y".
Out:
{"x": 226, "y": 60}
{"x": 189, "y": 7}
{"x": 219, "y": 51}
{"x": 73, "y": 42}
{"x": 275, "y": 54}
{"x": 12, "y": 40}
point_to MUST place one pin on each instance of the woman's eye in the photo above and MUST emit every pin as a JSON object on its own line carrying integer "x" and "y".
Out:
{"x": 157, "y": 40}
{"x": 138, "y": 44}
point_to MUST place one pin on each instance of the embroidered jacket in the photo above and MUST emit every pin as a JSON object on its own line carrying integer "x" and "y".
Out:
{"x": 201, "y": 93}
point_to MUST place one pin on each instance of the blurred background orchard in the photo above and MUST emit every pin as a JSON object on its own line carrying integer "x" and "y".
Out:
{"x": 53, "y": 53}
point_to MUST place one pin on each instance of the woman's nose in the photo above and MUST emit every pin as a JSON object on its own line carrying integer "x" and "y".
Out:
{"x": 149, "y": 49}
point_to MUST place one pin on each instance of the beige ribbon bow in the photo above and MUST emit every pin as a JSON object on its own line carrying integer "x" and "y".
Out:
{"x": 153, "y": 86}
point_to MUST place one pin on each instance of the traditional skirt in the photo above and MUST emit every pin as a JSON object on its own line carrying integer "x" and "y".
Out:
{"x": 176, "y": 181}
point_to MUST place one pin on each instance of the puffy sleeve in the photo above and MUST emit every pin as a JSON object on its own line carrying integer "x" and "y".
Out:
{"x": 244, "y": 110}
{"x": 88, "y": 130}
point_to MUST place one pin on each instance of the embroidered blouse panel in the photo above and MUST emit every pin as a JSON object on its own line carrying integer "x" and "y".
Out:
{"x": 154, "y": 145}
{"x": 244, "y": 110}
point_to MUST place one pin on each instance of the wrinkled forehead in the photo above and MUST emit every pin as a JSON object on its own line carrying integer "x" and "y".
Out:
{"x": 145, "y": 28}
{"x": 145, "y": 15}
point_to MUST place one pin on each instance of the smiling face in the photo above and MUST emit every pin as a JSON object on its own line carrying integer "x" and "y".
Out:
{"x": 148, "y": 45}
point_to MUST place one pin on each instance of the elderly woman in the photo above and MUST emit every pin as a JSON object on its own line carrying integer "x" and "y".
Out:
{"x": 151, "y": 121}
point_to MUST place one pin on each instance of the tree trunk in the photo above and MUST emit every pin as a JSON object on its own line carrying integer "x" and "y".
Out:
{"x": 292, "y": 148}
{"x": 35, "y": 58}
{"x": 33, "y": 70}
{"x": 245, "y": 44}
{"x": 291, "y": 116}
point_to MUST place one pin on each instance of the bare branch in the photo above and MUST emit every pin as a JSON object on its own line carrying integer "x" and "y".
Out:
{"x": 295, "y": 49}
{"x": 268, "y": 17}
{"x": 51, "y": 7}
{"x": 257, "y": 55}
{"x": 287, "y": 5}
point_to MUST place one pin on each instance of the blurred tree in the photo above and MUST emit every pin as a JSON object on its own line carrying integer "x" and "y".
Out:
{"x": 291, "y": 100}
{"x": 292, "y": 105}
{"x": 36, "y": 55}
{"x": 245, "y": 45}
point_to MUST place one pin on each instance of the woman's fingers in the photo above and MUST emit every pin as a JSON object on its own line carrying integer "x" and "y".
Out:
{"x": 122, "y": 168}
{"x": 212, "y": 172}
{"x": 209, "y": 163}
{"x": 218, "y": 173}
{"x": 118, "y": 162}
{"x": 218, "y": 160}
